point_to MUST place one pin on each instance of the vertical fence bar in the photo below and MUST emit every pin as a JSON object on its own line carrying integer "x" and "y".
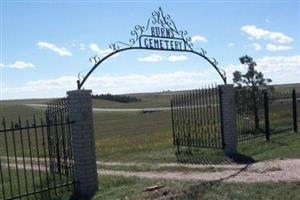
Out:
{"x": 194, "y": 122}
{"x": 16, "y": 159}
{"x": 221, "y": 117}
{"x": 189, "y": 108}
{"x": 172, "y": 118}
{"x": 30, "y": 156}
{"x": 23, "y": 155}
{"x": 45, "y": 155}
{"x": 37, "y": 152}
{"x": 206, "y": 130}
{"x": 184, "y": 119}
{"x": 7, "y": 157}
{"x": 2, "y": 180}
{"x": 295, "y": 120}
{"x": 197, "y": 117}
{"x": 179, "y": 121}
{"x": 267, "y": 119}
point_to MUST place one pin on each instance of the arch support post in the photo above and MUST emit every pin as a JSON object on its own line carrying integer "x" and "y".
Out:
{"x": 228, "y": 119}
{"x": 83, "y": 142}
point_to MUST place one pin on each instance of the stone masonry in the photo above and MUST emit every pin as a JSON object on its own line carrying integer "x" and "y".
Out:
{"x": 83, "y": 141}
{"x": 228, "y": 118}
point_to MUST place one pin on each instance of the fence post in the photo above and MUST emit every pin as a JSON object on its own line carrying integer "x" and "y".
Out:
{"x": 267, "y": 119}
{"x": 83, "y": 142}
{"x": 295, "y": 111}
{"x": 228, "y": 119}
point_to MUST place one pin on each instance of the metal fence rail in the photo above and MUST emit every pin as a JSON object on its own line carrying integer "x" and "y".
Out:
{"x": 265, "y": 114}
{"x": 24, "y": 161}
{"x": 280, "y": 112}
{"x": 249, "y": 116}
{"x": 59, "y": 138}
{"x": 196, "y": 118}
{"x": 296, "y": 103}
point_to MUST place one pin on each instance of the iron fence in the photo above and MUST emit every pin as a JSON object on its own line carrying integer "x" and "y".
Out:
{"x": 36, "y": 159}
{"x": 264, "y": 114}
{"x": 59, "y": 137}
{"x": 250, "y": 116}
{"x": 296, "y": 103}
{"x": 196, "y": 118}
{"x": 280, "y": 112}
{"x": 24, "y": 161}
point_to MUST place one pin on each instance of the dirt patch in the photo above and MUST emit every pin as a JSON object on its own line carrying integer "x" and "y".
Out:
{"x": 274, "y": 170}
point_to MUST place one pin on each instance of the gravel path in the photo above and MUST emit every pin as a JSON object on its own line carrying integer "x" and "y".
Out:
{"x": 287, "y": 170}
{"x": 275, "y": 170}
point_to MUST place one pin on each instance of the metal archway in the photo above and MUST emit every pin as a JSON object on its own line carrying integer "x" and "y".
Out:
{"x": 162, "y": 35}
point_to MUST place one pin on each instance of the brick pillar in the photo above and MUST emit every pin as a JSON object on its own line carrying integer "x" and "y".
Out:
{"x": 83, "y": 141}
{"x": 228, "y": 122}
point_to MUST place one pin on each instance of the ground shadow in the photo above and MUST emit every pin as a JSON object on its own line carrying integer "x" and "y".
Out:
{"x": 211, "y": 157}
{"x": 241, "y": 159}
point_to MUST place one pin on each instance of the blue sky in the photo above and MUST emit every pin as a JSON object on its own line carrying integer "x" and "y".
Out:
{"x": 45, "y": 44}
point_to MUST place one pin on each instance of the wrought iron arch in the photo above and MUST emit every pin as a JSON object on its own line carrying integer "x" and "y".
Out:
{"x": 160, "y": 34}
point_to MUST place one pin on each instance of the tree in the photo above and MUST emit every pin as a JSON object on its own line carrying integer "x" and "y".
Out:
{"x": 251, "y": 85}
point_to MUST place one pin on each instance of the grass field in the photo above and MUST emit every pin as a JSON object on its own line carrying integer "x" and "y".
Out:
{"x": 133, "y": 188}
{"x": 30, "y": 181}
{"x": 147, "y": 138}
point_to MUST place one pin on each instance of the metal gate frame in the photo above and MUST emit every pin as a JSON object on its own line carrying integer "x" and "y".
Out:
{"x": 196, "y": 118}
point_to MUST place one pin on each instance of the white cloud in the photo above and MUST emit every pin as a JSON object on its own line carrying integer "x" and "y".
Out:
{"x": 18, "y": 65}
{"x": 279, "y": 62}
{"x": 178, "y": 80}
{"x": 151, "y": 58}
{"x": 231, "y": 44}
{"x": 259, "y": 33}
{"x": 60, "y": 50}
{"x": 273, "y": 47}
{"x": 267, "y": 20}
{"x": 101, "y": 52}
{"x": 281, "y": 69}
{"x": 198, "y": 38}
{"x": 82, "y": 46}
{"x": 256, "y": 46}
{"x": 159, "y": 58}
{"x": 176, "y": 58}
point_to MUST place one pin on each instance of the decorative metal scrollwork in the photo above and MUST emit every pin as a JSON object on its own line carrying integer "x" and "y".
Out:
{"x": 162, "y": 32}
{"x": 213, "y": 60}
{"x": 158, "y": 18}
{"x": 203, "y": 52}
{"x": 94, "y": 59}
{"x": 136, "y": 33}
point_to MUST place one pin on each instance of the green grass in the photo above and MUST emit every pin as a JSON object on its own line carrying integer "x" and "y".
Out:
{"x": 158, "y": 148}
{"x": 284, "y": 145}
{"x": 133, "y": 136}
{"x": 228, "y": 191}
{"x": 113, "y": 187}
{"x": 33, "y": 181}
{"x": 12, "y": 111}
{"x": 150, "y": 167}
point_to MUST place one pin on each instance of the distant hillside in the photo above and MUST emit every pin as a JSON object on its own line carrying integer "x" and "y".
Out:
{"x": 117, "y": 98}
{"x": 145, "y": 100}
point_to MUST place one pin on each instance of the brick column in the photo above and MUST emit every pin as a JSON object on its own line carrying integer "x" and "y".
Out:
{"x": 228, "y": 122}
{"x": 83, "y": 141}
